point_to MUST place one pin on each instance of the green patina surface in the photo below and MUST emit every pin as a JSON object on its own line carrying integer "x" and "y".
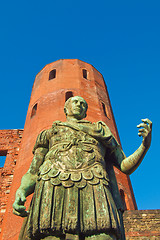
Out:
{"x": 72, "y": 177}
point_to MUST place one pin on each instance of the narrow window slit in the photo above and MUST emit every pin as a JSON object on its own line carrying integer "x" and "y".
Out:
{"x": 104, "y": 109}
{"x": 122, "y": 194}
{"x": 85, "y": 73}
{"x": 34, "y": 110}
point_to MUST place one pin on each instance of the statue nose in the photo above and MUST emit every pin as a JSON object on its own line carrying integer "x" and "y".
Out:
{"x": 78, "y": 104}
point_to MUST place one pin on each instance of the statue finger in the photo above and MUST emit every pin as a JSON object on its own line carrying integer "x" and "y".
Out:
{"x": 142, "y": 134}
{"x": 16, "y": 212}
{"x": 21, "y": 214}
{"x": 19, "y": 208}
{"x": 147, "y": 121}
{"x": 23, "y": 198}
{"x": 143, "y": 125}
{"x": 24, "y": 214}
{"x": 143, "y": 130}
{"x": 16, "y": 203}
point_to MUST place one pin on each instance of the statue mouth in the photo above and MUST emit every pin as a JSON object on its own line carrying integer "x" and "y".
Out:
{"x": 78, "y": 109}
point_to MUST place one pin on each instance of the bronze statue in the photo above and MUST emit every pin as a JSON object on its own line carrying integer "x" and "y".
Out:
{"x": 72, "y": 177}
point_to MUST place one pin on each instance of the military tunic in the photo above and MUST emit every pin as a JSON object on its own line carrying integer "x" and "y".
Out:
{"x": 73, "y": 190}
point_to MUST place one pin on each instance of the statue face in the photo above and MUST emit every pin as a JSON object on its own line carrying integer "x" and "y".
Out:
{"x": 77, "y": 107}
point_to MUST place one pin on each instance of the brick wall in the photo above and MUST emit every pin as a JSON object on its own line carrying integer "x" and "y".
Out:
{"x": 9, "y": 146}
{"x": 142, "y": 224}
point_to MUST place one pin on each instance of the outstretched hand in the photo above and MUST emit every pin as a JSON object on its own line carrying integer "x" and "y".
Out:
{"x": 18, "y": 205}
{"x": 145, "y": 131}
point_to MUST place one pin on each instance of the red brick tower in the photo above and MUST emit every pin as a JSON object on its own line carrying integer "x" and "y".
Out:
{"x": 53, "y": 85}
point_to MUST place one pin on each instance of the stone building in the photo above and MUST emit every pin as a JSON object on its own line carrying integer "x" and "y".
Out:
{"x": 53, "y": 85}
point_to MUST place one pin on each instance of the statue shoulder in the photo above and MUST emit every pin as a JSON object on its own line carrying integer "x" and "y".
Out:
{"x": 45, "y": 135}
{"x": 101, "y": 123}
{"x": 42, "y": 139}
{"x": 56, "y": 123}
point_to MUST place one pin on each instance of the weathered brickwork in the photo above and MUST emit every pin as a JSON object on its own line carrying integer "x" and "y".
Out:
{"x": 142, "y": 224}
{"x": 9, "y": 146}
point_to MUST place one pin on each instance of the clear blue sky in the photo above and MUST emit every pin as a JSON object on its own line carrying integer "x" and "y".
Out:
{"x": 119, "y": 38}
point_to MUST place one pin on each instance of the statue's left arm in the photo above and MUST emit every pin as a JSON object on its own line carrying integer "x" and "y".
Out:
{"x": 129, "y": 164}
{"x": 28, "y": 181}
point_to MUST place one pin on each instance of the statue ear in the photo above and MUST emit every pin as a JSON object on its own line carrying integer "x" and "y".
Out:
{"x": 85, "y": 115}
{"x": 65, "y": 111}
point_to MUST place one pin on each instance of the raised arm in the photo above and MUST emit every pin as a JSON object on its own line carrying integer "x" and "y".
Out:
{"x": 28, "y": 182}
{"x": 129, "y": 164}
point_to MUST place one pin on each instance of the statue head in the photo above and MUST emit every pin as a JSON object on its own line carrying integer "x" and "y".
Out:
{"x": 76, "y": 107}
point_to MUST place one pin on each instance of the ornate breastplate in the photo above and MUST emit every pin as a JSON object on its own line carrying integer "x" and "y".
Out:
{"x": 71, "y": 149}
{"x": 74, "y": 158}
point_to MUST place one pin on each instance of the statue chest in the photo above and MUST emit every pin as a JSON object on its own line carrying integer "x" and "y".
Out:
{"x": 72, "y": 149}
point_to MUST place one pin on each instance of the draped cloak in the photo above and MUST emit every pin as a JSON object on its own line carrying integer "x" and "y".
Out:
{"x": 76, "y": 190}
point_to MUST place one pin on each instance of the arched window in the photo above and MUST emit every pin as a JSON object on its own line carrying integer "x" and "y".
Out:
{"x": 52, "y": 74}
{"x": 68, "y": 95}
{"x": 34, "y": 110}
{"x": 85, "y": 73}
